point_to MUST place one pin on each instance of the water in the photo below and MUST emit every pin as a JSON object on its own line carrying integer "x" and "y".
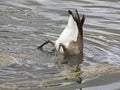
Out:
{"x": 25, "y": 24}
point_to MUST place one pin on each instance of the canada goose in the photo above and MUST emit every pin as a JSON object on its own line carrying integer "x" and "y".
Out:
{"x": 71, "y": 39}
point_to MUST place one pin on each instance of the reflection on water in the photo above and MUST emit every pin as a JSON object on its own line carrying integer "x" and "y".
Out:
{"x": 25, "y": 24}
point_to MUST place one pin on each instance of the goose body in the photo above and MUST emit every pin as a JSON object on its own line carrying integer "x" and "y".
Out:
{"x": 70, "y": 41}
{"x": 69, "y": 34}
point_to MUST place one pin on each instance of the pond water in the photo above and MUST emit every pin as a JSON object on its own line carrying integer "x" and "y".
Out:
{"x": 25, "y": 24}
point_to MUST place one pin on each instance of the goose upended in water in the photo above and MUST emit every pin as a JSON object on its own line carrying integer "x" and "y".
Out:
{"x": 71, "y": 39}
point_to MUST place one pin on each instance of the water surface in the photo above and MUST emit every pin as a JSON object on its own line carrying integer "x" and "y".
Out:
{"x": 25, "y": 24}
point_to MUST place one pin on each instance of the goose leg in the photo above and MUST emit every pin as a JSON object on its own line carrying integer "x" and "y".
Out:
{"x": 40, "y": 47}
{"x": 63, "y": 46}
